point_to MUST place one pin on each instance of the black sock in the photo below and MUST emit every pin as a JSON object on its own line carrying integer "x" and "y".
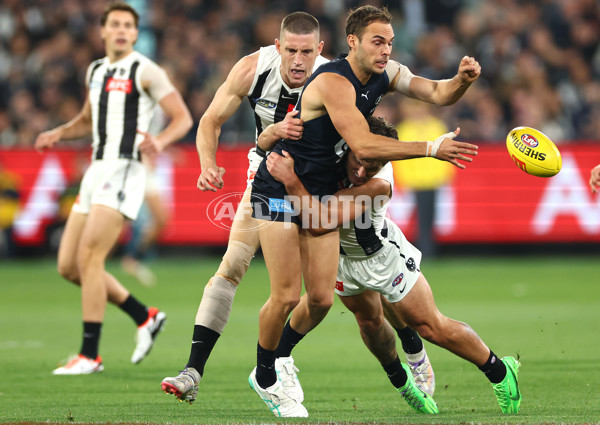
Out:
{"x": 203, "y": 341}
{"x": 136, "y": 310}
{"x": 396, "y": 373}
{"x": 411, "y": 342}
{"x": 289, "y": 339}
{"x": 91, "y": 338}
{"x": 265, "y": 367}
{"x": 494, "y": 369}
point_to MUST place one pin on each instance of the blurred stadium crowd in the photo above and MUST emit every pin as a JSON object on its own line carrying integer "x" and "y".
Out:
{"x": 540, "y": 59}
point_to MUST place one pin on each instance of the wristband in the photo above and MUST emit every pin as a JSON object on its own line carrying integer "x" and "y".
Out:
{"x": 432, "y": 147}
{"x": 435, "y": 145}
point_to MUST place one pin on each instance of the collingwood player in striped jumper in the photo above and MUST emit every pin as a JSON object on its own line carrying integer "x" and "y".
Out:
{"x": 271, "y": 79}
{"x": 123, "y": 88}
{"x": 377, "y": 263}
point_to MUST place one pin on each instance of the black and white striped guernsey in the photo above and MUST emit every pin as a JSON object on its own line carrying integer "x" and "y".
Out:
{"x": 119, "y": 106}
{"x": 269, "y": 96}
{"x": 362, "y": 237}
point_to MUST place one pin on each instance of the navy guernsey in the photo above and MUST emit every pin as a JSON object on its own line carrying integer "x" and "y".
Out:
{"x": 318, "y": 153}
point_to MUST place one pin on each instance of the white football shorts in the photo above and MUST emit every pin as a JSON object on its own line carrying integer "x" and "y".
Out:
{"x": 392, "y": 271}
{"x": 115, "y": 183}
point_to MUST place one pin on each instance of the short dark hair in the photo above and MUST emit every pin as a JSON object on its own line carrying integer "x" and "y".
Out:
{"x": 360, "y": 18}
{"x": 379, "y": 125}
{"x": 300, "y": 23}
{"x": 118, "y": 5}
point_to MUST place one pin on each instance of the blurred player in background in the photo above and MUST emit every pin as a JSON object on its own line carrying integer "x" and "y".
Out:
{"x": 146, "y": 230}
{"x": 123, "y": 88}
{"x": 271, "y": 79}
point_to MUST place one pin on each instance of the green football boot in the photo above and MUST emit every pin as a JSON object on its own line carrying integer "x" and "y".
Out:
{"x": 416, "y": 398}
{"x": 507, "y": 392}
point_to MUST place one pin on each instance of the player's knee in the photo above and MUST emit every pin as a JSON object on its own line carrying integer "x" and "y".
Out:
{"x": 236, "y": 261}
{"x": 285, "y": 302}
{"x": 84, "y": 257}
{"x": 290, "y": 303}
{"x": 369, "y": 325}
{"x": 68, "y": 271}
{"x": 321, "y": 303}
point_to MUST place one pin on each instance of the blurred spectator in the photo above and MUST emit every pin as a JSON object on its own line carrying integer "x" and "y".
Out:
{"x": 545, "y": 54}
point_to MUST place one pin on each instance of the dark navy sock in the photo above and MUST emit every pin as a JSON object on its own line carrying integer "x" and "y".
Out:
{"x": 203, "y": 341}
{"x": 91, "y": 339}
{"x": 265, "y": 367}
{"x": 396, "y": 373}
{"x": 494, "y": 369}
{"x": 289, "y": 339}
{"x": 411, "y": 342}
{"x": 135, "y": 309}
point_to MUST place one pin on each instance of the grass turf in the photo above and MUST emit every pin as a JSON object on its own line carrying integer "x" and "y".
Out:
{"x": 544, "y": 310}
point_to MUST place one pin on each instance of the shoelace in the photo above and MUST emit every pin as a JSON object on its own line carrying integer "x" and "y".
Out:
{"x": 289, "y": 377}
{"x": 186, "y": 373}
{"x": 421, "y": 369}
{"x": 412, "y": 398}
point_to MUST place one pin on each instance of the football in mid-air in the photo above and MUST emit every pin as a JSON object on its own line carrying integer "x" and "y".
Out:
{"x": 533, "y": 152}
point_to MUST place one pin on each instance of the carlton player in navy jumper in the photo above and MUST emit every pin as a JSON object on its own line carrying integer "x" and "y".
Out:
{"x": 123, "y": 88}
{"x": 333, "y": 106}
{"x": 271, "y": 79}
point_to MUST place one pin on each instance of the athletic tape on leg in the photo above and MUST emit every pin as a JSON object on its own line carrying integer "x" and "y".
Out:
{"x": 236, "y": 261}
{"x": 215, "y": 307}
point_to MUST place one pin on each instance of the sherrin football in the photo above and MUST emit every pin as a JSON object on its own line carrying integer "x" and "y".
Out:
{"x": 533, "y": 152}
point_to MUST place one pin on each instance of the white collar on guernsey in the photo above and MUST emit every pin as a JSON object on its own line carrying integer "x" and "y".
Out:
{"x": 120, "y": 61}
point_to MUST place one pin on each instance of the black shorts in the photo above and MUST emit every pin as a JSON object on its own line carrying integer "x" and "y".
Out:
{"x": 270, "y": 200}
{"x": 273, "y": 208}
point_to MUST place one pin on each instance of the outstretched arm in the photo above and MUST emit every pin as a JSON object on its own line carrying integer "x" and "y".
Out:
{"x": 446, "y": 92}
{"x": 338, "y": 97}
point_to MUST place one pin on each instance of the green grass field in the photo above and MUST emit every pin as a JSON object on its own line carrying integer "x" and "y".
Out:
{"x": 544, "y": 310}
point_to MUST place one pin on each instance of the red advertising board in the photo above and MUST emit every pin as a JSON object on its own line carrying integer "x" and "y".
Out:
{"x": 492, "y": 201}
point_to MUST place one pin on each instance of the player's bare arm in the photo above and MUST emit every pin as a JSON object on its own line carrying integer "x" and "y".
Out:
{"x": 446, "y": 92}
{"x": 339, "y": 97}
{"x": 226, "y": 101}
{"x": 180, "y": 123}
{"x": 341, "y": 208}
{"x": 595, "y": 179}
{"x": 78, "y": 127}
{"x": 289, "y": 128}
